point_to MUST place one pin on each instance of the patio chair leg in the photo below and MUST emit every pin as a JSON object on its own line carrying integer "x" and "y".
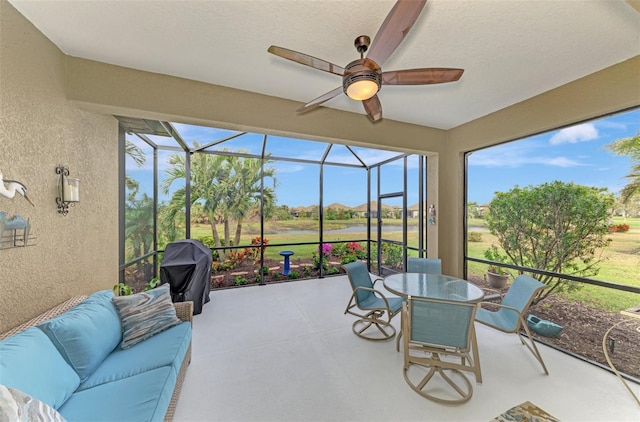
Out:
{"x": 387, "y": 333}
{"x": 476, "y": 356}
{"x": 534, "y": 349}
{"x": 464, "y": 395}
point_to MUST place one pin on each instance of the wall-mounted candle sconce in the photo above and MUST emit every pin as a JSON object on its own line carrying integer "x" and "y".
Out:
{"x": 68, "y": 190}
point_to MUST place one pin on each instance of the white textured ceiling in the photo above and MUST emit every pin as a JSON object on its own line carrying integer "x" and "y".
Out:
{"x": 511, "y": 50}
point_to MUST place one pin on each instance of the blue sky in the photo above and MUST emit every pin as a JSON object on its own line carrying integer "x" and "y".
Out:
{"x": 575, "y": 153}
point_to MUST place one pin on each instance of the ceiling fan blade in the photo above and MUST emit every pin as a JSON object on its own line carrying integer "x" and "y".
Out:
{"x": 433, "y": 75}
{"x": 321, "y": 99}
{"x": 306, "y": 60}
{"x": 394, "y": 28}
{"x": 373, "y": 108}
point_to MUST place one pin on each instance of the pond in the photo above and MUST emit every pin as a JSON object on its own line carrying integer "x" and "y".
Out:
{"x": 349, "y": 229}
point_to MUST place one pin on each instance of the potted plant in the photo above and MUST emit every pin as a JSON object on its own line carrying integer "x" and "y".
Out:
{"x": 496, "y": 275}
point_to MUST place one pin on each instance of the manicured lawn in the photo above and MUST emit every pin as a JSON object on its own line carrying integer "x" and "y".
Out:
{"x": 621, "y": 265}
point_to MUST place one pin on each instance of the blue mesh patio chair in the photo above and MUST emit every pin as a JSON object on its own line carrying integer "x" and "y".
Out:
{"x": 371, "y": 307}
{"x": 439, "y": 341}
{"x": 424, "y": 265}
{"x": 510, "y": 315}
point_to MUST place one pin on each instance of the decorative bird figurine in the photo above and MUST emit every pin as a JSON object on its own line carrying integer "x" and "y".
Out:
{"x": 12, "y": 187}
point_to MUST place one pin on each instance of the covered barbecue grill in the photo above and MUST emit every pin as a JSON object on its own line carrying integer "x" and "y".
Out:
{"x": 186, "y": 266}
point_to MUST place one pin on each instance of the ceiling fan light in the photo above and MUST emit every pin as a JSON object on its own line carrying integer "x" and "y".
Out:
{"x": 362, "y": 90}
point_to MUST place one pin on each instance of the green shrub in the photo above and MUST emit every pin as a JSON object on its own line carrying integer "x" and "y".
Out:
{"x": 474, "y": 237}
{"x": 392, "y": 255}
{"x": 240, "y": 281}
{"x": 122, "y": 289}
{"x": 347, "y": 258}
{"x": 293, "y": 275}
{"x": 339, "y": 249}
{"x": 152, "y": 284}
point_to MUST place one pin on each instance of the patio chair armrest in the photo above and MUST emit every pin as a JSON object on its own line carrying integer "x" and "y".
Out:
{"x": 377, "y": 292}
{"x": 369, "y": 289}
{"x": 499, "y": 305}
{"x": 491, "y": 294}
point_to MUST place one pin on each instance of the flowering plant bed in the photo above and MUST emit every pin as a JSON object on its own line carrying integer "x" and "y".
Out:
{"x": 247, "y": 272}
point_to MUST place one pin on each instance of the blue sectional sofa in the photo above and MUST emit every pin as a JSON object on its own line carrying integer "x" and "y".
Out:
{"x": 71, "y": 359}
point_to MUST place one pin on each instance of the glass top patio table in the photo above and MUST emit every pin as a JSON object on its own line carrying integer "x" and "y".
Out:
{"x": 433, "y": 286}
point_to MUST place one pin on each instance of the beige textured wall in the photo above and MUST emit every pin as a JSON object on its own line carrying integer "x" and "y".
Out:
{"x": 117, "y": 90}
{"x": 39, "y": 129}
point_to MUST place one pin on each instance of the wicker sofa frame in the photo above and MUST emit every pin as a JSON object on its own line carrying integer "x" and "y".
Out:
{"x": 184, "y": 311}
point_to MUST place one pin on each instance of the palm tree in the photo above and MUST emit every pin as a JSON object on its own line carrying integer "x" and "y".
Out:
{"x": 631, "y": 147}
{"x": 247, "y": 190}
{"x": 139, "y": 225}
{"x": 136, "y": 153}
{"x": 228, "y": 188}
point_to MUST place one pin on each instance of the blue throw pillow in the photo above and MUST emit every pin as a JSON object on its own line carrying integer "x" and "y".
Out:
{"x": 30, "y": 363}
{"x": 145, "y": 314}
{"x": 87, "y": 333}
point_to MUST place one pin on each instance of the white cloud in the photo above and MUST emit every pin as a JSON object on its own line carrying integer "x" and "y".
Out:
{"x": 519, "y": 154}
{"x": 560, "y": 162}
{"x": 572, "y": 135}
{"x": 286, "y": 167}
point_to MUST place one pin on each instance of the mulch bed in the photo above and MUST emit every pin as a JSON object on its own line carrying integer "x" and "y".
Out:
{"x": 249, "y": 271}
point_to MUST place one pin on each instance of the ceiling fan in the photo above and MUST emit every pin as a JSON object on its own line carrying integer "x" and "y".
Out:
{"x": 363, "y": 78}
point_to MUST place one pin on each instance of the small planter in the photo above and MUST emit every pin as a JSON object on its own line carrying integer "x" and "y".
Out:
{"x": 497, "y": 281}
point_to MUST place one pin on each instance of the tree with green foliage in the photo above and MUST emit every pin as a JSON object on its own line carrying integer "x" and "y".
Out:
{"x": 630, "y": 147}
{"x": 473, "y": 210}
{"x": 138, "y": 210}
{"x": 138, "y": 157}
{"x": 558, "y": 227}
{"x": 227, "y": 187}
{"x": 139, "y": 225}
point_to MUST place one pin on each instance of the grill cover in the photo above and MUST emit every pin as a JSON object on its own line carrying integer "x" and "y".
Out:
{"x": 186, "y": 266}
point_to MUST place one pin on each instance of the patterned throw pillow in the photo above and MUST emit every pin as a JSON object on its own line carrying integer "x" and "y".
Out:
{"x": 20, "y": 407}
{"x": 145, "y": 314}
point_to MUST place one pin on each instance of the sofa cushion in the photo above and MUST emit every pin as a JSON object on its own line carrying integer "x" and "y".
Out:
{"x": 18, "y": 406}
{"x": 145, "y": 314}
{"x": 87, "y": 333}
{"x": 31, "y": 363}
{"x": 167, "y": 348}
{"x": 142, "y": 397}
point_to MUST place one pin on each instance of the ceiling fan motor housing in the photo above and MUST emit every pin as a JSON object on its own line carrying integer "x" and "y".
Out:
{"x": 361, "y": 70}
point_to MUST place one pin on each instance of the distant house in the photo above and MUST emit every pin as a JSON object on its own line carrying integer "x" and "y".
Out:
{"x": 481, "y": 209}
{"x": 414, "y": 211}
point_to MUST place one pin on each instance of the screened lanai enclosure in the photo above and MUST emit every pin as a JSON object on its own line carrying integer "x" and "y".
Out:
{"x": 270, "y": 208}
